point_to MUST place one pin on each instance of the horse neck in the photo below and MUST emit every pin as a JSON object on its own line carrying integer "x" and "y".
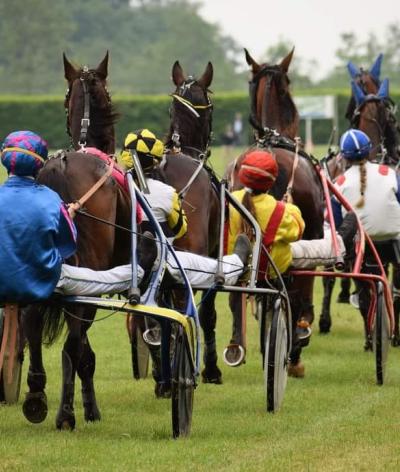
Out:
{"x": 279, "y": 113}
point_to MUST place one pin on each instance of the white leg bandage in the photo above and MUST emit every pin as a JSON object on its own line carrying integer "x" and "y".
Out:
{"x": 316, "y": 252}
{"x": 201, "y": 270}
{"x": 83, "y": 281}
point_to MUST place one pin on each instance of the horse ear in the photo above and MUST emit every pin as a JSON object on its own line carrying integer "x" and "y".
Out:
{"x": 255, "y": 67}
{"x": 359, "y": 95}
{"x": 70, "y": 73}
{"x": 353, "y": 71}
{"x": 375, "y": 70}
{"x": 178, "y": 77}
{"x": 206, "y": 79}
{"x": 383, "y": 91}
{"x": 102, "y": 68}
{"x": 285, "y": 63}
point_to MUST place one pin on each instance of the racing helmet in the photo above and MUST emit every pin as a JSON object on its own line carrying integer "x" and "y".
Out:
{"x": 148, "y": 148}
{"x": 23, "y": 153}
{"x": 258, "y": 170}
{"x": 355, "y": 145}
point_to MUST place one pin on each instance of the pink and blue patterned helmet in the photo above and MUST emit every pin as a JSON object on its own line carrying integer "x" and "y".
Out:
{"x": 23, "y": 153}
{"x": 355, "y": 145}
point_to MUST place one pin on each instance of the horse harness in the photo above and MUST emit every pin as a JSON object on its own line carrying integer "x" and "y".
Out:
{"x": 182, "y": 98}
{"x": 86, "y": 75}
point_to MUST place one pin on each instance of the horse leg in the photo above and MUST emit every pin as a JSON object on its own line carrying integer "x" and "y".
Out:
{"x": 296, "y": 367}
{"x": 234, "y": 354}
{"x": 325, "y": 320}
{"x": 303, "y": 316}
{"x": 208, "y": 321}
{"x": 70, "y": 358}
{"x": 344, "y": 294}
{"x": 86, "y": 369}
{"x": 396, "y": 304}
{"x": 364, "y": 298}
{"x": 35, "y": 404}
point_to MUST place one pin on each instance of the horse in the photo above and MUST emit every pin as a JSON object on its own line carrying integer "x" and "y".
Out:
{"x": 184, "y": 168}
{"x": 371, "y": 110}
{"x": 275, "y": 119}
{"x": 90, "y": 122}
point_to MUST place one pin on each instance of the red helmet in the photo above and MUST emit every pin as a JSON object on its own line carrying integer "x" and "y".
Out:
{"x": 258, "y": 170}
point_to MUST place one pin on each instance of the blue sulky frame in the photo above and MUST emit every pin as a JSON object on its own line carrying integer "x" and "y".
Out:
{"x": 184, "y": 368}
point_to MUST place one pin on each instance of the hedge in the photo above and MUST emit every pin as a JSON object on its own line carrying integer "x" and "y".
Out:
{"x": 45, "y": 115}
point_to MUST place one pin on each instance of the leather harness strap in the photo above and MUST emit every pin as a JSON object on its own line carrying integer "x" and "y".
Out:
{"x": 77, "y": 205}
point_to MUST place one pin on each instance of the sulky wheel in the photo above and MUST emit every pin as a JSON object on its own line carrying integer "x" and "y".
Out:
{"x": 276, "y": 358}
{"x": 183, "y": 385}
{"x": 381, "y": 335}
{"x": 9, "y": 392}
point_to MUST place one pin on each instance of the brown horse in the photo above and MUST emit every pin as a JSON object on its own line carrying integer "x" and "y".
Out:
{"x": 371, "y": 110}
{"x": 90, "y": 121}
{"x": 276, "y": 122}
{"x": 187, "y": 145}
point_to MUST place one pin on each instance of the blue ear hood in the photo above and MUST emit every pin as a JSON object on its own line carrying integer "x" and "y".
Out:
{"x": 353, "y": 70}
{"x": 375, "y": 70}
{"x": 383, "y": 91}
{"x": 359, "y": 95}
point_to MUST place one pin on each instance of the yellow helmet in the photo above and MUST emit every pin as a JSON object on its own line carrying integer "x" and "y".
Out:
{"x": 146, "y": 144}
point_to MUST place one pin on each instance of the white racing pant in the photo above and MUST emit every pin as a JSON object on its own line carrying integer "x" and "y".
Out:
{"x": 200, "y": 270}
{"x": 316, "y": 252}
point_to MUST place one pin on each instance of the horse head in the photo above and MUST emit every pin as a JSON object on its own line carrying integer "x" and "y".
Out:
{"x": 272, "y": 106}
{"x": 90, "y": 114}
{"x": 374, "y": 116}
{"x": 191, "y": 111}
{"x": 367, "y": 79}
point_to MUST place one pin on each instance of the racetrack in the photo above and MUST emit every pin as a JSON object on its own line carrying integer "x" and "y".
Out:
{"x": 336, "y": 418}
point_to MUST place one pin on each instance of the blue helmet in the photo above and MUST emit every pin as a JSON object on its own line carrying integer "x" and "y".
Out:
{"x": 355, "y": 145}
{"x": 23, "y": 153}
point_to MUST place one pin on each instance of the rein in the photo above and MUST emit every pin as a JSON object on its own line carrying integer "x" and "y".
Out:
{"x": 77, "y": 205}
{"x": 86, "y": 73}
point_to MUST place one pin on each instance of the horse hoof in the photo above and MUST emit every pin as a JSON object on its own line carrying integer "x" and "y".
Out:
{"x": 303, "y": 329}
{"x": 324, "y": 326}
{"x": 343, "y": 298}
{"x": 396, "y": 341}
{"x": 234, "y": 355}
{"x": 368, "y": 346}
{"x": 92, "y": 415}
{"x": 162, "y": 390}
{"x": 35, "y": 407}
{"x": 212, "y": 375}
{"x": 296, "y": 370}
{"x": 65, "y": 420}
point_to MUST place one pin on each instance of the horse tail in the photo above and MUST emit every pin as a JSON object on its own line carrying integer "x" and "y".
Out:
{"x": 53, "y": 322}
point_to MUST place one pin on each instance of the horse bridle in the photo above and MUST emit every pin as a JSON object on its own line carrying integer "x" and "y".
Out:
{"x": 390, "y": 115}
{"x": 85, "y": 75}
{"x": 181, "y": 98}
{"x": 270, "y": 72}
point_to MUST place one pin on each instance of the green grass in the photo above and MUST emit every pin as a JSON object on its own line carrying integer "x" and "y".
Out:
{"x": 334, "y": 419}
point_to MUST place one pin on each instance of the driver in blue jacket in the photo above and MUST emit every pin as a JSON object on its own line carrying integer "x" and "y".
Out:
{"x": 37, "y": 234}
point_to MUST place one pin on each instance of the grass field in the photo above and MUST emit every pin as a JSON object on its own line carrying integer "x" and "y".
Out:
{"x": 335, "y": 419}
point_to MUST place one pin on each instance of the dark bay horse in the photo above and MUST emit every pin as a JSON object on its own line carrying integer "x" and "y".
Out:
{"x": 371, "y": 110}
{"x": 187, "y": 150}
{"x": 276, "y": 122}
{"x": 90, "y": 120}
